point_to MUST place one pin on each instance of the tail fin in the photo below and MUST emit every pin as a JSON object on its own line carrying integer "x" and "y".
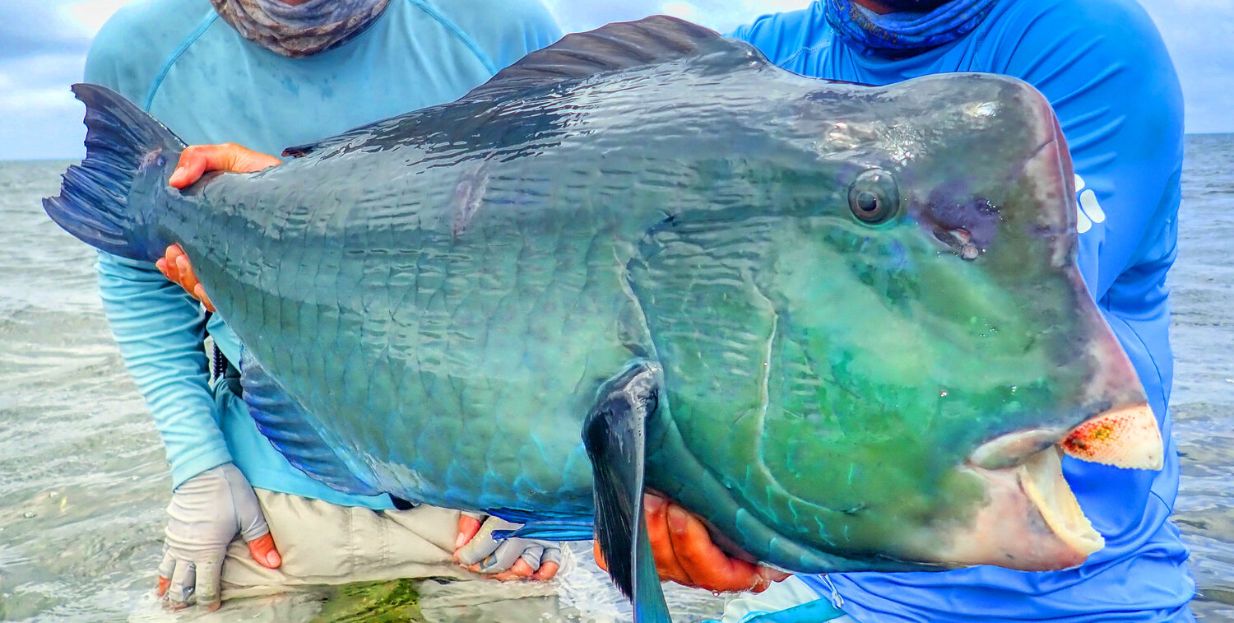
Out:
{"x": 125, "y": 149}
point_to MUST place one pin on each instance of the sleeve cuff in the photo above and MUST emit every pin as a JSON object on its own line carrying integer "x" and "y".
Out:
{"x": 202, "y": 459}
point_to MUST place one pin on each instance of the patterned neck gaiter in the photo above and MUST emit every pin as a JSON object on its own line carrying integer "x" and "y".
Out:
{"x": 907, "y": 32}
{"x": 302, "y": 29}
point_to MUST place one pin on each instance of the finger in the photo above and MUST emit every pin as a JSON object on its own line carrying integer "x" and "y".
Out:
{"x": 667, "y": 565}
{"x": 167, "y": 265}
{"x": 483, "y": 545}
{"x": 182, "y": 585}
{"x": 245, "y": 160}
{"x": 207, "y": 585}
{"x": 599, "y": 555}
{"x": 520, "y": 570}
{"x": 249, "y": 518}
{"x": 468, "y": 526}
{"x": 507, "y": 553}
{"x": 199, "y": 293}
{"x": 187, "y": 279}
{"x": 548, "y": 569}
{"x": 192, "y": 164}
{"x": 552, "y": 553}
{"x": 166, "y": 568}
{"x": 263, "y": 550}
{"x": 771, "y": 575}
{"x": 532, "y": 555}
{"x": 706, "y": 565}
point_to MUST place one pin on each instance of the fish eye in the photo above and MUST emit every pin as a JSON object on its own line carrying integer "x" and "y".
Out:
{"x": 874, "y": 196}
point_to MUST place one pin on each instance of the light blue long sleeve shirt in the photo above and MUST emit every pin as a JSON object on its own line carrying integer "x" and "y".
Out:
{"x": 182, "y": 63}
{"x": 1103, "y": 66}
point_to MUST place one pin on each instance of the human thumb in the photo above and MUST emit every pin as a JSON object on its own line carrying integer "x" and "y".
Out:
{"x": 250, "y": 520}
{"x": 263, "y": 550}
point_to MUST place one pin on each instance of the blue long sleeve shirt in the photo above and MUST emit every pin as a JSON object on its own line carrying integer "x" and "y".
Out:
{"x": 182, "y": 63}
{"x": 1103, "y": 66}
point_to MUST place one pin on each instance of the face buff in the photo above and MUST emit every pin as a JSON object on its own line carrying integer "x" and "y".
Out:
{"x": 302, "y": 29}
{"x": 913, "y": 27}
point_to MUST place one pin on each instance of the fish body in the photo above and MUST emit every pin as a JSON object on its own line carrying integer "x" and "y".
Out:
{"x": 843, "y": 324}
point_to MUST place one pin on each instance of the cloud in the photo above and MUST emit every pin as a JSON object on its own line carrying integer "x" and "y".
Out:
{"x": 43, "y": 44}
{"x": 27, "y": 28}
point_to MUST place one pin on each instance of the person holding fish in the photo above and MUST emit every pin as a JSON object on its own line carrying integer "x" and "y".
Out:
{"x": 1102, "y": 66}
{"x": 272, "y": 73}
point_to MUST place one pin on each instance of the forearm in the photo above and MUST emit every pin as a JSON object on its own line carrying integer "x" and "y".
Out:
{"x": 159, "y": 330}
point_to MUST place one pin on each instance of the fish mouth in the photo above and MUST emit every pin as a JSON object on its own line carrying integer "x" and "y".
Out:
{"x": 1031, "y": 520}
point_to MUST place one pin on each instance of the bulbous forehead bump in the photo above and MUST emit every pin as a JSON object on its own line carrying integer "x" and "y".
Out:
{"x": 894, "y": 125}
{"x": 982, "y": 110}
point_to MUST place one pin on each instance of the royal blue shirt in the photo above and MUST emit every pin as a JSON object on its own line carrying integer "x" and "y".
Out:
{"x": 191, "y": 70}
{"x": 1103, "y": 66}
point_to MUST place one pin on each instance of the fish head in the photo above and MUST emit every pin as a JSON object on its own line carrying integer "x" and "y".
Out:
{"x": 930, "y": 351}
{"x": 1042, "y": 374}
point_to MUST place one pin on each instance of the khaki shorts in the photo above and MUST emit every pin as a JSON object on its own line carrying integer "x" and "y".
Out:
{"x": 326, "y": 544}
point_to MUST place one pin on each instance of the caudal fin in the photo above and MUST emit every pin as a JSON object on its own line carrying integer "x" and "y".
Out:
{"x": 125, "y": 149}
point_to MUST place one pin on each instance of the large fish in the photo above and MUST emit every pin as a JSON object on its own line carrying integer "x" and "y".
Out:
{"x": 842, "y": 324}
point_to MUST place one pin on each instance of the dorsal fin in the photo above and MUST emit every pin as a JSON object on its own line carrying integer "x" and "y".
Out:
{"x": 617, "y": 46}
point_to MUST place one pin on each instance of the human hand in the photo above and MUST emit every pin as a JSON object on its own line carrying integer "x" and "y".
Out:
{"x": 197, "y": 160}
{"x": 684, "y": 552}
{"x": 507, "y": 559}
{"x": 205, "y": 514}
{"x": 176, "y": 267}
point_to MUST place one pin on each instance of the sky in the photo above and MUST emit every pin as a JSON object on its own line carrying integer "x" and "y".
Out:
{"x": 43, "y": 45}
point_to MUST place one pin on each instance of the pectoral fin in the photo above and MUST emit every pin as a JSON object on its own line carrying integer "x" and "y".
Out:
{"x": 615, "y": 434}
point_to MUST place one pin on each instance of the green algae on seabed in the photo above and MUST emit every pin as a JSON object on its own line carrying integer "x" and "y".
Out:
{"x": 372, "y": 602}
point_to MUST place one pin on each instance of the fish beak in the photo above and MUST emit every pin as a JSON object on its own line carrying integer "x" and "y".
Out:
{"x": 1042, "y": 481}
{"x": 1126, "y": 437}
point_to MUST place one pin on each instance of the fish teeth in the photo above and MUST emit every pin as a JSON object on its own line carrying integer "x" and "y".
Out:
{"x": 1126, "y": 437}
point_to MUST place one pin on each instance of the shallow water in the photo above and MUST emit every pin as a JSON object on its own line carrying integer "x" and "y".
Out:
{"x": 83, "y": 480}
{"x": 1203, "y": 400}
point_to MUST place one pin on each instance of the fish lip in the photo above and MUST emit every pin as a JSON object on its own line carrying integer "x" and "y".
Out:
{"x": 1030, "y": 520}
{"x": 1015, "y": 448}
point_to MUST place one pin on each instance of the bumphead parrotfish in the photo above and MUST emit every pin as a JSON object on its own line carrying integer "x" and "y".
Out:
{"x": 842, "y": 324}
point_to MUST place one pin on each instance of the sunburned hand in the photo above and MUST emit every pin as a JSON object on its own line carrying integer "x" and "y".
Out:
{"x": 508, "y": 559}
{"x": 684, "y": 553}
{"x": 195, "y": 161}
{"x": 176, "y": 267}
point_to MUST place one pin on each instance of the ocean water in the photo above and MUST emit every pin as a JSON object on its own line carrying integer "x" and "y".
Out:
{"x": 83, "y": 480}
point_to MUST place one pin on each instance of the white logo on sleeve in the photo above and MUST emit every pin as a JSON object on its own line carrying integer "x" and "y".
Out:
{"x": 1087, "y": 208}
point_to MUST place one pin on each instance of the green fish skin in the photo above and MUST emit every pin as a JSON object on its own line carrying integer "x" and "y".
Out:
{"x": 842, "y": 324}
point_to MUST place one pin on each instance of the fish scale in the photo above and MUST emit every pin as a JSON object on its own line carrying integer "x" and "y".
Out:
{"x": 441, "y": 286}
